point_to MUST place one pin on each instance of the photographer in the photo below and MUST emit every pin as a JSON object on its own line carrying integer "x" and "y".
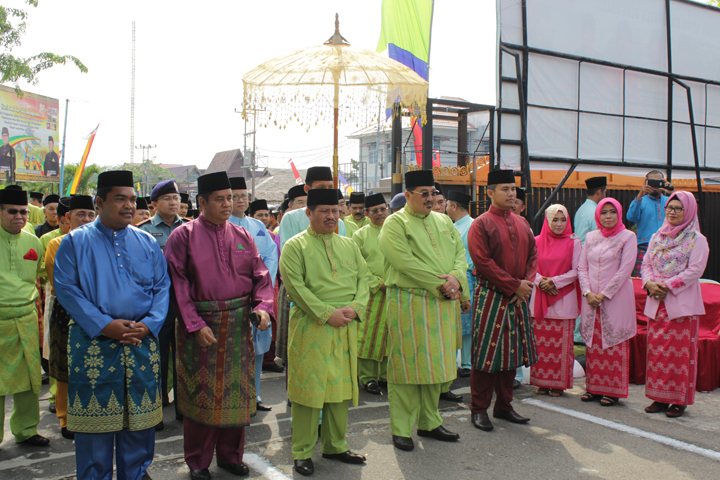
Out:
{"x": 648, "y": 212}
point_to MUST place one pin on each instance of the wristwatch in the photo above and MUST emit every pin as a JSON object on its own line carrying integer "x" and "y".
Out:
{"x": 586, "y": 293}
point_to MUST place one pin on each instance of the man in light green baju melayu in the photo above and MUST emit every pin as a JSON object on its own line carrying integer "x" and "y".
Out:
{"x": 425, "y": 275}
{"x": 327, "y": 280}
{"x": 357, "y": 218}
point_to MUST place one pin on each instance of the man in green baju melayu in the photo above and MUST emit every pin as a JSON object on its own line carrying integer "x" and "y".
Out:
{"x": 372, "y": 335}
{"x": 327, "y": 280}
{"x": 20, "y": 264}
{"x": 357, "y": 218}
{"x": 425, "y": 275}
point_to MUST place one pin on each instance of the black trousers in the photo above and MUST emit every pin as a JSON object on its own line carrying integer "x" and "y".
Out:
{"x": 165, "y": 340}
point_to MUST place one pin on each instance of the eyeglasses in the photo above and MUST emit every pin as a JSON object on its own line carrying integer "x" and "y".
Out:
{"x": 434, "y": 193}
{"x": 674, "y": 209}
{"x": 15, "y": 211}
{"x": 377, "y": 210}
{"x": 240, "y": 197}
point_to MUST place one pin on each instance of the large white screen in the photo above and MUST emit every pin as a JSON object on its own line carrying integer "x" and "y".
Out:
{"x": 694, "y": 33}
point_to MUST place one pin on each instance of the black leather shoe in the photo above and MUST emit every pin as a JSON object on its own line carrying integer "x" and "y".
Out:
{"x": 516, "y": 384}
{"x": 304, "y": 467}
{"x": 481, "y": 421}
{"x": 52, "y": 408}
{"x": 262, "y": 407}
{"x": 346, "y": 457}
{"x": 451, "y": 397}
{"x": 235, "y": 468}
{"x": 440, "y": 433}
{"x": 146, "y": 477}
{"x": 510, "y": 416}
{"x": 45, "y": 378}
{"x": 464, "y": 372}
{"x": 273, "y": 367}
{"x": 373, "y": 387}
{"x": 383, "y": 384}
{"x": 67, "y": 433}
{"x": 160, "y": 427}
{"x": 36, "y": 441}
{"x": 203, "y": 474}
{"x": 403, "y": 443}
{"x": 179, "y": 417}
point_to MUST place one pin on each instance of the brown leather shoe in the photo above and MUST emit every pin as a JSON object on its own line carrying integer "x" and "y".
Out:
{"x": 676, "y": 411}
{"x": 656, "y": 407}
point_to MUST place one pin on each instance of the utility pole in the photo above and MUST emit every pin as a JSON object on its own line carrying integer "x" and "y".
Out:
{"x": 132, "y": 101}
{"x": 245, "y": 135}
{"x": 146, "y": 165}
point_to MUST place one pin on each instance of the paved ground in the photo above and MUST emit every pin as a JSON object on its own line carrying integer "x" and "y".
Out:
{"x": 566, "y": 439}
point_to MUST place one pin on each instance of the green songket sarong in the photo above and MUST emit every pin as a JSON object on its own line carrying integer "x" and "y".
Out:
{"x": 112, "y": 386}
{"x": 19, "y": 349}
{"x": 372, "y": 337}
{"x": 424, "y": 336}
{"x": 216, "y": 384}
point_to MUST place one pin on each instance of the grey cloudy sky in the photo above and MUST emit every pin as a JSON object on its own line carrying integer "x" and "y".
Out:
{"x": 190, "y": 60}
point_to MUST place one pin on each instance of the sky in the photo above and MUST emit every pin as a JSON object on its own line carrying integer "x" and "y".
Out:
{"x": 190, "y": 59}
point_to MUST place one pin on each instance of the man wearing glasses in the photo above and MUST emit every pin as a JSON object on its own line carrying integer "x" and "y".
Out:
{"x": 268, "y": 252}
{"x": 20, "y": 253}
{"x": 426, "y": 279}
{"x": 372, "y": 333}
{"x": 647, "y": 210}
{"x": 165, "y": 197}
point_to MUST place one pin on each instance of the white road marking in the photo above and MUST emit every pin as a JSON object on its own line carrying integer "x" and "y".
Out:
{"x": 671, "y": 442}
{"x": 264, "y": 468}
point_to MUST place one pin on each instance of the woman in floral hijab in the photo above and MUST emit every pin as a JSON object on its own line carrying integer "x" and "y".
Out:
{"x": 676, "y": 258}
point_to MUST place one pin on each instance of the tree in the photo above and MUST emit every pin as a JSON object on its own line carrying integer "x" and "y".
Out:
{"x": 155, "y": 173}
{"x": 88, "y": 181}
{"x": 715, "y": 3}
{"x": 16, "y": 68}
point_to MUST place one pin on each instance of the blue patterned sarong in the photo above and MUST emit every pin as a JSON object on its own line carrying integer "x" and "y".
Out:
{"x": 112, "y": 386}
{"x": 467, "y": 318}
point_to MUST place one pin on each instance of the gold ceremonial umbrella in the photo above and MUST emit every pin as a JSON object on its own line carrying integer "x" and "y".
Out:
{"x": 303, "y": 86}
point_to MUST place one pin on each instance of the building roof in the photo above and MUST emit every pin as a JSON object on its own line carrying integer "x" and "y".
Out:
{"x": 275, "y": 184}
{"x": 228, "y": 161}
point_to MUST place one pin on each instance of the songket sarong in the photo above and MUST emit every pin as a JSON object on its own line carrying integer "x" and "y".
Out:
{"x": 19, "y": 349}
{"x": 112, "y": 386}
{"x": 40, "y": 308}
{"x": 467, "y": 318}
{"x": 49, "y": 300}
{"x": 216, "y": 384}
{"x": 503, "y": 337}
{"x": 322, "y": 360}
{"x": 283, "y": 318}
{"x": 608, "y": 369}
{"x": 372, "y": 334}
{"x": 641, "y": 250}
{"x": 554, "y": 340}
{"x": 424, "y": 333}
{"x": 672, "y": 358}
{"x": 59, "y": 329}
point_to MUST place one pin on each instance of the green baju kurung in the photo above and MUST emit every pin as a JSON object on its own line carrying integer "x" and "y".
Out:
{"x": 424, "y": 327}
{"x": 372, "y": 334}
{"x": 20, "y": 257}
{"x": 321, "y": 274}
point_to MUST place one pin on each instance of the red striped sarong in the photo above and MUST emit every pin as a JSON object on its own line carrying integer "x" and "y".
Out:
{"x": 554, "y": 340}
{"x": 607, "y": 370}
{"x": 672, "y": 358}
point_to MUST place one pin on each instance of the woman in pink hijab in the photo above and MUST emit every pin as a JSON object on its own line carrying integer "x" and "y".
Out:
{"x": 555, "y": 303}
{"x": 608, "y": 310}
{"x": 675, "y": 260}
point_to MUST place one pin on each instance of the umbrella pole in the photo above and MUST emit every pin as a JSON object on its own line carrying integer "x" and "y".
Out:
{"x": 336, "y": 100}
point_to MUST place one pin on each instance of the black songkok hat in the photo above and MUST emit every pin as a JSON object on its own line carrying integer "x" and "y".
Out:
{"x": 185, "y": 198}
{"x": 341, "y": 197}
{"x": 36, "y": 195}
{"x": 51, "y": 199}
{"x": 141, "y": 203}
{"x": 520, "y": 194}
{"x": 419, "y": 178}
{"x": 82, "y": 202}
{"x": 258, "y": 205}
{"x": 212, "y": 182}
{"x": 439, "y": 188}
{"x": 238, "y": 183}
{"x": 315, "y": 174}
{"x": 195, "y": 213}
{"x": 596, "y": 182}
{"x": 162, "y": 188}
{"x": 5, "y": 131}
{"x": 357, "y": 198}
{"x": 322, "y": 197}
{"x": 64, "y": 206}
{"x": 284, "y": 205}
{"x": 13, "y": 196}
{"x": 372, "y": 200}
{"x": 189, "y": 204}
{"x": 297, "y": 191}
{"x": 51, "y": 139}
{"x": 501, "y": 176}
{"x": 459, "y": 197}
{"x": 115, "y": 178}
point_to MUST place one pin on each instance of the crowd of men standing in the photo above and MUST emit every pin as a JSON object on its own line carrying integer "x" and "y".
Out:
{"x": 364, "y": 294}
